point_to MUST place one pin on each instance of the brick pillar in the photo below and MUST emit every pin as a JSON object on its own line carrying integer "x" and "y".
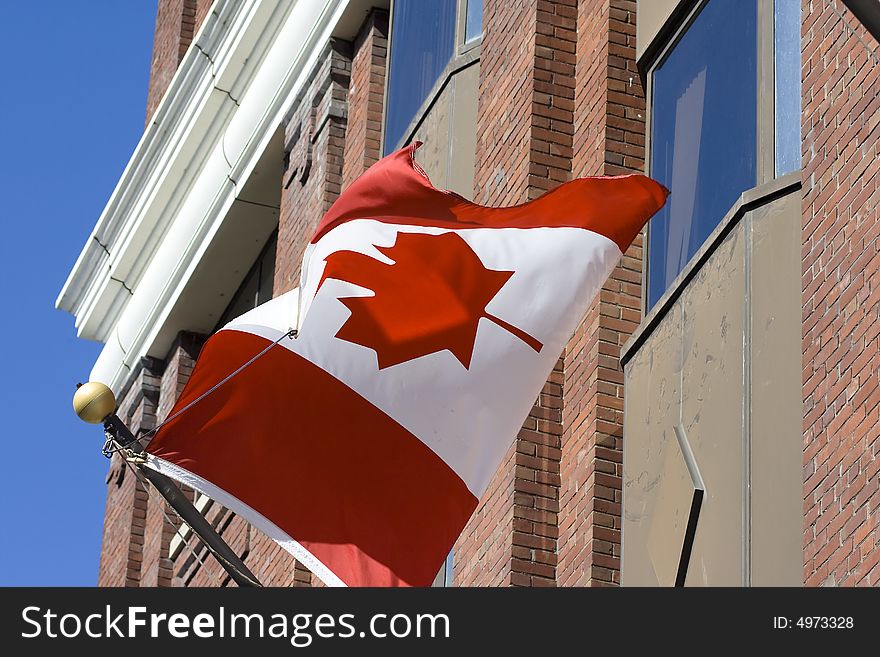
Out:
{"x": 126, "y": 508}
{"x": 157, "y": 568}
{"x": 524, "y": 148}
{"x": 609, "y": 140}
{"x": 314, "y": 145}
{"x": 841, "y": 348}
{"x": 366, "y": 97}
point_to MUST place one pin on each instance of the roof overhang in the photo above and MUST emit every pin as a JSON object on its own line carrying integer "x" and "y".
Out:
{"x": 247, "y": 64}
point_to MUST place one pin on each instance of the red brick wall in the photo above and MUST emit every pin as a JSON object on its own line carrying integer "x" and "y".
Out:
{"x": 175, "y": 27}
{"x": 157, "y": 567}
{"x": 841, "y": 278}
{"x": 609, "y": 140}
{"x": 504, "y": 110}
{"x": 560, "y": 96}
{"x": 126, "y": 506}
{"x": 366, "y": 97}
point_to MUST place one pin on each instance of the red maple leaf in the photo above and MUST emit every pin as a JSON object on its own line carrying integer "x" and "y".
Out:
{"x": 430, "y": 299}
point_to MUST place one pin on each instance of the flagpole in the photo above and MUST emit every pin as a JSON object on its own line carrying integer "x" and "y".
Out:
{"x": 95, "y": 403}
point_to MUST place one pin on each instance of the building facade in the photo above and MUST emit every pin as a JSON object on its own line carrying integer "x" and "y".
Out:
{"x": 714, "y": 419}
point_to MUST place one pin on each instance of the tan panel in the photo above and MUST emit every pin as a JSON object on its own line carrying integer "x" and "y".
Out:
{"x": 776, "y": 444}
{"x": 667, "y": 526}
{"x": 712, "y": 409}
{"x": 650, "y": 16}
{"x": 652, "y": 411}
{"x": 463, "y": 137}
{"x": 433, "y": 156}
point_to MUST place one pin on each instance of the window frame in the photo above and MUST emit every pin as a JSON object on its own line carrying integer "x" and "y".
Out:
{"x": 679, "y": 22}
{"x": 464, "y": 54}
{"x": 462, "y": 45}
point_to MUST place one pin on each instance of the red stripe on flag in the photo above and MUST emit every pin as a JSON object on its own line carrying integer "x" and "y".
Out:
{"x": 396, "y": 190}
{"x": 335, "y": 473}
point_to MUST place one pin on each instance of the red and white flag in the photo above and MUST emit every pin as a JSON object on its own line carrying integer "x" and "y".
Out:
{"x": 427, "y": 326}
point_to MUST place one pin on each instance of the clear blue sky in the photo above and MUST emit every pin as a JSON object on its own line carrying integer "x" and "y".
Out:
{"x": 72, "y": 109}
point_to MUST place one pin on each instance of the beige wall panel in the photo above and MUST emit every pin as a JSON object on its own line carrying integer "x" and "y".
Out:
{"x": 463, "y": 136}
{"x": 433, "y": 156}
{"x": 712, "y": 409}
{"x": 738, "y": 355}
{"x": 776, "y": 444}
{"x": 650, "y": 16}
{"x": 652, "y": 411}
{"x": 667, "y": 526}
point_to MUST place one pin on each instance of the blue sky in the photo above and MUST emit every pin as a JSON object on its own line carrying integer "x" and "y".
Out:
{"x": 72, "y": 109}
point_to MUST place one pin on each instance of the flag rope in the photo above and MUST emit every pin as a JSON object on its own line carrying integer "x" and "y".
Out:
{"x": 292, "y": 333}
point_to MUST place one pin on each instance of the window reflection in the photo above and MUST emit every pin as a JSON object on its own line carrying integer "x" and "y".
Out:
{"x": 703, "y": 133}
{"x": 473, "y": 26}
{"x": 787, "y": 82}
{"x": 422, "y": 43}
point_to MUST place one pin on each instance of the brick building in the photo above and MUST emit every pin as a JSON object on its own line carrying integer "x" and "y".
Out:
{"x": 740, "y": 333}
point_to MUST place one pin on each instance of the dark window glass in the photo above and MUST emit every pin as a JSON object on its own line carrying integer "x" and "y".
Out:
{"x": 422, "y": 43}
{"x": 787, "y": 78}
{"x": 703, "y": 133}
{"x": 473, "y": 24}
{"x": 256, "y": 288}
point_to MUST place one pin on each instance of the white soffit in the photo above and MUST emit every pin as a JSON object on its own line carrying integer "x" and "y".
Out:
{"x": 247, "y": 64}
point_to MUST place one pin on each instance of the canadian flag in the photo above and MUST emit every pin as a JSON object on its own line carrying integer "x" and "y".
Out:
{"x": 427, "y": 326}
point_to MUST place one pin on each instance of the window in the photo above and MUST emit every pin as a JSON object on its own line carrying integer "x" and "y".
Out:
{"x": 787, "y": 85}
{"x": 473, "y": 22}
{"x": 422, "y": 43}
{"x": 703, "y": 133}
{"x": 256, "y": 288}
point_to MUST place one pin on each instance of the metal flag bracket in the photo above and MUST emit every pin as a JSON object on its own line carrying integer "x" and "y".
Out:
{"x": 96, "y": 404}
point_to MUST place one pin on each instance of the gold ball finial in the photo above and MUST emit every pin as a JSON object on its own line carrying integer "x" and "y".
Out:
{"x": 93, "y": 401}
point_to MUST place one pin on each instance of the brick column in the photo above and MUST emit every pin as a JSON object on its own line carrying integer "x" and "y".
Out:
{"x": 157, "y": 568}
{"x": 524, "y": 147}
{"x": 366, "y": 97}
{"x": 314, "y": 145}
{"x": 841, "y": 331}
{"x": 609, "y": 140}
{"x": 126, "y": 509}
{"x": 203, "y": 8}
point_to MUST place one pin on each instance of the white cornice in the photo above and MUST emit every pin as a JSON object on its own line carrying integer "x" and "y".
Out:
{"x": 229, "y": 95}
{"x": 167, "y": 131}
